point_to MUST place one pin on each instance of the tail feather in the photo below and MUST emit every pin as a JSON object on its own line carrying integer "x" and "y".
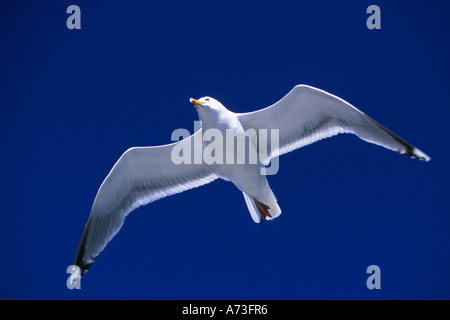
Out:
{"x": 252, "y": 208}
{"x": 267, "y": 207}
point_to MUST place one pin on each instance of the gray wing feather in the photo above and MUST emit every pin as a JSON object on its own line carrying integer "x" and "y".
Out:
{"x": 306, "y": 115}
{"x": 141, "y": 175}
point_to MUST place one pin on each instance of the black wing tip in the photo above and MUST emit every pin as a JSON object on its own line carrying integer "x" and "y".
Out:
{"x": 80, "y": 255}
{"x": 417, "y": 154}
{"x": 83, "y": 266}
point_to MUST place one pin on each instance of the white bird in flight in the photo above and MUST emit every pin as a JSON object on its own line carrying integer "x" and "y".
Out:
{"x": 146, "y": 174}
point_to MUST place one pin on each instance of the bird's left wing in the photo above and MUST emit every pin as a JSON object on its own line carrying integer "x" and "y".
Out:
{"x": 306, "y": 115}
{"x": 141, "y": 175}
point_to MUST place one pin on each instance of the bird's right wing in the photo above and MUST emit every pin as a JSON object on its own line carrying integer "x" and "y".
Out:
{"x": 141, "y": 175}
{"x": 306, "y": 115}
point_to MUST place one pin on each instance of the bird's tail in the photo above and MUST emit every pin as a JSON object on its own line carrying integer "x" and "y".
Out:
{"x": 266, "y": 206}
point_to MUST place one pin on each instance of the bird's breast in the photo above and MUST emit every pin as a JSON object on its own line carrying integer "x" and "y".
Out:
{"x": 229, "y": 149}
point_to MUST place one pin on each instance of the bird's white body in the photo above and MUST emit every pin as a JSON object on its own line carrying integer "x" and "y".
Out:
{"x": 245, "y": 176}
{"x": 145, "y": 174}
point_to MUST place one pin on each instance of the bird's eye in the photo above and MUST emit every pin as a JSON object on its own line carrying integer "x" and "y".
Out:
{"x": 207, "y": 99}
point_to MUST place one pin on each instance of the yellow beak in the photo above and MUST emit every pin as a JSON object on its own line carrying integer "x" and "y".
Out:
{"x": 196, "y": 103}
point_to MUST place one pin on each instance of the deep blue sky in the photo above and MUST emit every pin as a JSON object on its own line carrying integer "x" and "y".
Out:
{"x": 72, "y": 101}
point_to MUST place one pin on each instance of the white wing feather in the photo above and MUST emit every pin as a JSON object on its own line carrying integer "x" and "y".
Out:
{"x": 140, "y": 176}
{"x": 306, "y": 115}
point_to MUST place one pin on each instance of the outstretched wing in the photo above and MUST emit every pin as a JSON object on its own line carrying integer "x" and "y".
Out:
{"x": 140, "y": 176}
{"x": 306, "y": 115}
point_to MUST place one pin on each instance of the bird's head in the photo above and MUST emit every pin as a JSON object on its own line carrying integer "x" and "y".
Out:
{"x": 208, "y": 109}
{"x": 206, "y": 104}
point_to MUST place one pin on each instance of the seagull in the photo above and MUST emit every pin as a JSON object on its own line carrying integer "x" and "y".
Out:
{"x": 145, "y": 174}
